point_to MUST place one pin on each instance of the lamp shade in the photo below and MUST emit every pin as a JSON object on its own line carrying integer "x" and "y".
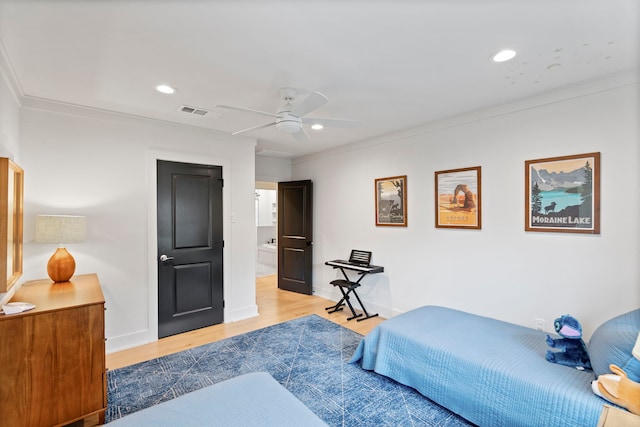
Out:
{"x": 60, "y": 229}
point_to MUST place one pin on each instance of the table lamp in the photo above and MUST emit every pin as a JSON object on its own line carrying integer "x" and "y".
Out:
{"x": 61, "y": 229}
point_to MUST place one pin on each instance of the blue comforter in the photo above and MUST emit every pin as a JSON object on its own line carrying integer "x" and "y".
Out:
{"x": 490, "y": 372}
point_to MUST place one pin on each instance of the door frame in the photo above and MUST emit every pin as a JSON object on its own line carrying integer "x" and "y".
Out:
{"x": 152, "y": 227}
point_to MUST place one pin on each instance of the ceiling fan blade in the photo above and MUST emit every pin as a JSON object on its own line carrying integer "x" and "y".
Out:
{"x": 264, "y": 125}
{"x": 248, "y": 110}
{"x": 301, "y": 137}
{"x": 335, "y": 123}
{"x": 310, "y": 103}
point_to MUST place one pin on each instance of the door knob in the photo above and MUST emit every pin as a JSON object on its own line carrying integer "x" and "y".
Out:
{"x": 165, "y": 258}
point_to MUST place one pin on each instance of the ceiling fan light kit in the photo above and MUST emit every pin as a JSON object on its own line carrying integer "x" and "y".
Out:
{"x": 288, "y": 123}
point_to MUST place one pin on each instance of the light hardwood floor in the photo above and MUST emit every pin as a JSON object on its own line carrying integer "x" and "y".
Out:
{"x": 274, "y": 306}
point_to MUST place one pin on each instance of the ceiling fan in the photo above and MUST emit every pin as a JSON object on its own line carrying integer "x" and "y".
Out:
{"x": 289, "y": 118}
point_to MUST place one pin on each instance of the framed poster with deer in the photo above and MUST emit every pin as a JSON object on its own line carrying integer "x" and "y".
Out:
{"x": 562, "y": 194}
{"x": 391, "y": 201}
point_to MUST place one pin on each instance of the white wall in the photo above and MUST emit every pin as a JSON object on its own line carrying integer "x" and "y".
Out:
{"x": 273, "y": 169}
{"x": 103, "y": 166}
{"x": 499, "y": 271}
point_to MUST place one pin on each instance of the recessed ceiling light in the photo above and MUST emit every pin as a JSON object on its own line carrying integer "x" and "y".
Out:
{"x": 316, "y": 126}
{"x": 165, "y": 89}
{"x": 504, "y": 55}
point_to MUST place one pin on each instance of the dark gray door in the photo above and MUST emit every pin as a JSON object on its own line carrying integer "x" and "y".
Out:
{"x": 190, "y": 286}
{"x": 295, "y": 236}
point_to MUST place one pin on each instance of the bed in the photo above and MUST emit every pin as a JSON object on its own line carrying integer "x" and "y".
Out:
{"x": 490, "y": 372}
{"x": 254, "y": 399}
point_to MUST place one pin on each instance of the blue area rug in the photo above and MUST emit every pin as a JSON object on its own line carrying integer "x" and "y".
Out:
{"x": 309, "y": 356}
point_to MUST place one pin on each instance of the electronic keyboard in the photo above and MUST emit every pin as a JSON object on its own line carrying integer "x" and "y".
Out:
{"x": 366, "y": 268}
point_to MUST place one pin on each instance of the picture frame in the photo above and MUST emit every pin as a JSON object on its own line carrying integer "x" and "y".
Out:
{"x": 562, "y": 194}
{"x": 11, "y": 223}
{"x": 391, "y": 201}
{"x": 458, "y": 201}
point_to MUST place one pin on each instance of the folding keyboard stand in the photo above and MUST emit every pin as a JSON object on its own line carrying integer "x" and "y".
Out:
{"x": 350, "y": 289}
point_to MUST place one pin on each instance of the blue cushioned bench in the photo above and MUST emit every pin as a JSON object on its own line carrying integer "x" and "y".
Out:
{"x": 254, "y": 399}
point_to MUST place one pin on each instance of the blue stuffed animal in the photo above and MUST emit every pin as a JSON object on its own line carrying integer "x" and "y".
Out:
{"x": 573, "y": 351}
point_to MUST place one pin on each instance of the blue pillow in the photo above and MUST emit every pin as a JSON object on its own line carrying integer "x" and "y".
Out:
{"x": 613, "y": 341}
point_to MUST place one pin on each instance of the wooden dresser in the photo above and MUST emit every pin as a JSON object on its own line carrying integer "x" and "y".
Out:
{"x": 52, "y": 358}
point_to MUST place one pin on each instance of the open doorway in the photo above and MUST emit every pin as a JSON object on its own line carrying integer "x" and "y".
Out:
{"x": 266, "y": 212}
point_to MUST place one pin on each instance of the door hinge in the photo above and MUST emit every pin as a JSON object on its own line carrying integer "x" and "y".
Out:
{"x": 221, "y": 182}
{"x": 223, "y": 302}
{"x": 223, "y": 243}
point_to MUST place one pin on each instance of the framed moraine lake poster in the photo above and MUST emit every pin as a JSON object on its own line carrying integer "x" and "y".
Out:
{"x": 562, "y": 194}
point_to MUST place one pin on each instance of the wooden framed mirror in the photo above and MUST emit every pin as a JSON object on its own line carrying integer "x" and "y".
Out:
{"x": 11, "y": 206}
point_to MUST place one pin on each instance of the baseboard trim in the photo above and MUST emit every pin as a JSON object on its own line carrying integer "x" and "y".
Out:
{"x": 138, "y": 338}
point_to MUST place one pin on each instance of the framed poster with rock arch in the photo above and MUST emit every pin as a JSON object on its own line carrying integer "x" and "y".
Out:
{"x": 562, "y": 194}
{"x": 458, "y": 198}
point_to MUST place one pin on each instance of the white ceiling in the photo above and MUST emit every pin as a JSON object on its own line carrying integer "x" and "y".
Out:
{"x": 391, "y": 65}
